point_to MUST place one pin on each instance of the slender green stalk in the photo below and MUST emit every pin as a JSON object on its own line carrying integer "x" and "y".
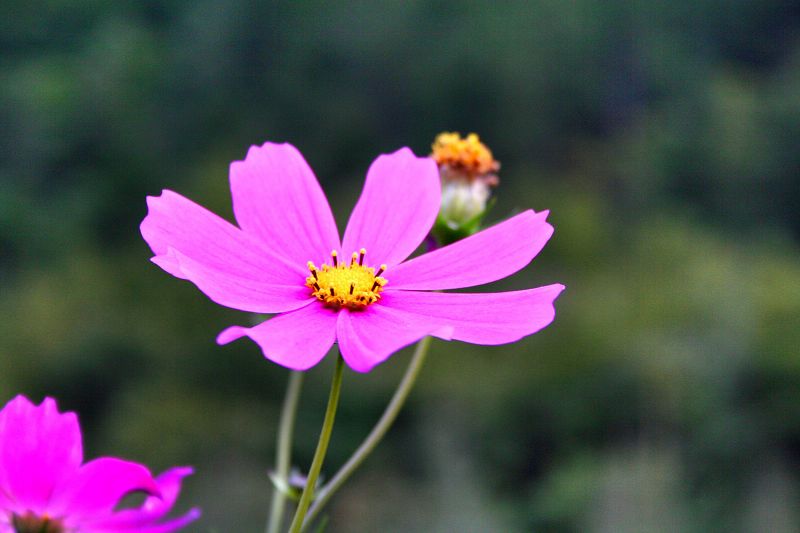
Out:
{"x": 283, "y": 455}
{"x": 322, "y": 447}
{"x": 377, "y": 433}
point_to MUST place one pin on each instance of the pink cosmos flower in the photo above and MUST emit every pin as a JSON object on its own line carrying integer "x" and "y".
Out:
{"x": 44, "y": 488}
{"x": 286, "y": 257}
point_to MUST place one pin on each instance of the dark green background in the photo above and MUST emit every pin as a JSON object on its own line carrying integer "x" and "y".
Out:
{"x": 663, "y": 136}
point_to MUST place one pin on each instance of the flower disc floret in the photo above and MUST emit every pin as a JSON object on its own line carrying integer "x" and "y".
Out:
{"x": 352, "y": 285}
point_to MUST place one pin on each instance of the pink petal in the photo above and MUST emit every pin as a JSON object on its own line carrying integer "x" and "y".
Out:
{"x": 5, "y": 499}
{"x": 397, "y": 208}
{"x": 98, "y": 487}
{"x": 39, "y": 449}
{"x": 229, "y": 266}
{"x": 298, "y": 339}
{"x": 244, "y": 294}
{"x": 489, "y": 255}
{"x": 171, "y": 525}
{"x": 369, "y": 337}
{"x": 486, "y": 318}
{"x": 145, "y": 517}
{"x": 277, "y": 197}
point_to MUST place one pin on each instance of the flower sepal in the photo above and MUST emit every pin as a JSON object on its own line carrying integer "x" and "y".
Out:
{"x": 446, "y": 230}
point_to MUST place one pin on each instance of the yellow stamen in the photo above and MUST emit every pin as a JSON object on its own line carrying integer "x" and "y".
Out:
{"x": 352, "y": 285}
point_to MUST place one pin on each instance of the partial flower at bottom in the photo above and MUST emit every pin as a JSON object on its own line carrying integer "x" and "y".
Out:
{"x": 362, "y": 291}
{"x": 46, "y": 488}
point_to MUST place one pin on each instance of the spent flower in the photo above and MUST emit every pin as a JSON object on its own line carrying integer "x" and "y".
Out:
{"x": 286, "y": 258}
{"x": 468, "y": 173}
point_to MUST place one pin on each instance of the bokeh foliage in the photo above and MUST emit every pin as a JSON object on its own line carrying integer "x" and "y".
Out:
{"x": 663, "y": 137}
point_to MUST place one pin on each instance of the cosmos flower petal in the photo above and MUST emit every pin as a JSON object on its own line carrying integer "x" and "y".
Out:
{"x": 39, "y": 449}
{"x": 99, "y": 485}
{"x": 5, "y": 501}
{"x": 245, "y": 294}
{"x": 79, "y": 498}
{"x": 484, "y": 318}
{"x": 397, "y": 208}
{"x": 298, "y": 339}
{"x": 487, "y": 256}
{"x": 277, "y": 198}
{"x": 153, "y": 508}
{"x": 367, "y": 338}
{"x": 174, "y": 221}
{"x": 171, "y": 525}
{"x": 229, "y": 266}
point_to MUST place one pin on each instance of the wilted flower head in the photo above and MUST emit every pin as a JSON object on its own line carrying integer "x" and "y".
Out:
{"x": 464, "y": 158}
{"x": 468, "y": 172}
{"x": 46, "y": 488}
{"x": 362, "y": 291}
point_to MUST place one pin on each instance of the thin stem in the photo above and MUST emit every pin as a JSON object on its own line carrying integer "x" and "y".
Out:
{"x": 322, "y": 447}
{"x": 377, "y": 433}
{"x": 283, "y": 455}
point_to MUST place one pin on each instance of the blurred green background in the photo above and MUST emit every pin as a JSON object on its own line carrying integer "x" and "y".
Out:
{"x": 663, "y": 136}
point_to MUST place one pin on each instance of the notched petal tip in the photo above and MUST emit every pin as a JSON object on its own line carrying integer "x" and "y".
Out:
{"x": 401, "y": 153}
{"x": 277, "y": 198}
{"x": 405, "y": 156}
{"x": 266, "y": 147}
{"x": 20, "y": 401}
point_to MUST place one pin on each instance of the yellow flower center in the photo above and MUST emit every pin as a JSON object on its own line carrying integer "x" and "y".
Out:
{"x": 30, "y": 523}
{"x": 467, "y": 154}
{"x": 353, "y": 285}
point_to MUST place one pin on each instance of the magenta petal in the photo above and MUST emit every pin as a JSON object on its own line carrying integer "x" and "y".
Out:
{"x": 298, "y": 339}
{"x": 231, "y": 267}
{"x": 244, "y": 294}
{"x": 369, "y": 337}
{"x": 171, "y": 525}
{"x": 397, "y": 208}
{"x": 489, "y": 255}
{"x": 277, "y": 197}
{"x": 486, "y": 318}
{"x": 98, "y": 486}
{"x": 154, "y": 508}
{"x": 39, "y": 449}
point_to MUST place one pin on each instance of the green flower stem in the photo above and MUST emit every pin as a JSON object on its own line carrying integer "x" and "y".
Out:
{"x": 322, "y": 447}
{"x": 283, "y": 455}
{"x": 377, "y": 433}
